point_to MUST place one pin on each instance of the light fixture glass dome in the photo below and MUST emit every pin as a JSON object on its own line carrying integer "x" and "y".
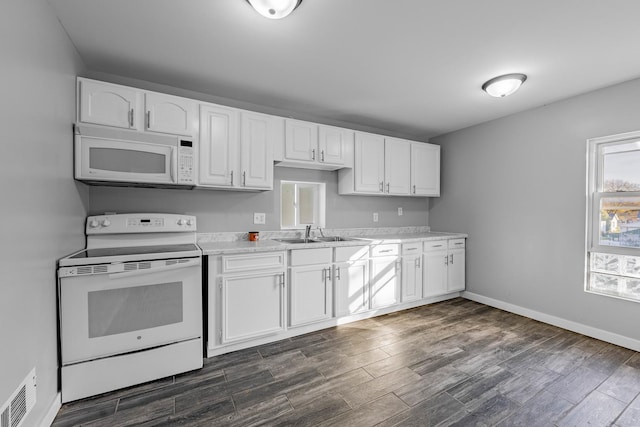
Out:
{"x": 274, "y": 9}
{"x": 505, "y": 85}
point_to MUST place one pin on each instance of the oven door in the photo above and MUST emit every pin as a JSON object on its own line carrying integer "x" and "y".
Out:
{"x": 99, "y": 159}
{"x": 107, "y": 314}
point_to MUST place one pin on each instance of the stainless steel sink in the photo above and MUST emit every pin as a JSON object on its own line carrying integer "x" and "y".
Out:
{"x": 335, "y": 239}
{"x": 297, "y": 240}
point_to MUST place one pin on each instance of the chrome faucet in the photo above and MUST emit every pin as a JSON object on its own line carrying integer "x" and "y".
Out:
{"x": 307, "y": 232}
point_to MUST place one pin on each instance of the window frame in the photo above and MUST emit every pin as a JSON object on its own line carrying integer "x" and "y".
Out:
{"x": 320, "y": 211}
{"x": 595, "y": 194}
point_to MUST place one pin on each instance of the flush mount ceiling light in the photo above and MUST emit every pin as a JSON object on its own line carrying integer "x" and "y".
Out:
{"x": 274, "y": 9}
{"x": 504, "y": 85}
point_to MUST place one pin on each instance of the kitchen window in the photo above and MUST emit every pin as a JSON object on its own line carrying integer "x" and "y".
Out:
{"x": 302, "y": 204}
{"x": 613, "y": 217}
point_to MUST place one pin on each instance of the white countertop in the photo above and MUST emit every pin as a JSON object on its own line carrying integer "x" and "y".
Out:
{"x": 244, "y": 246}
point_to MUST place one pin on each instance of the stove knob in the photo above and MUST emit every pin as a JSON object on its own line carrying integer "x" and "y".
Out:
{"x": 106, "y": 222}
{"x": 181, "y": 221}
{"x": 190, "y": 222}
{"x": 93, "y": 223}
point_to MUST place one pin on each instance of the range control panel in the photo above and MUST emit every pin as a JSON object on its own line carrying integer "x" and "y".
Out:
{"x": 140, "y": 223}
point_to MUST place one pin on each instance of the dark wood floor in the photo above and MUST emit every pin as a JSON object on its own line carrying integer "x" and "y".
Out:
{"x": 455, "y": 363}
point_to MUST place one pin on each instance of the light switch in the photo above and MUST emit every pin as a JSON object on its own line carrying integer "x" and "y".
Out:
{"x": 375, "y": 217}
{"x": 399, "y": 211}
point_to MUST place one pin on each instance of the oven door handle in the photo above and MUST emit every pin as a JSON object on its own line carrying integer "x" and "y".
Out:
{"x": 191, "y": 263}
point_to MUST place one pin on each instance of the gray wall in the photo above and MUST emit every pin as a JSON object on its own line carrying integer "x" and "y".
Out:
{"x": 517, "y": 186}
{"x": 218, "y": 210}
{"x": 42, "y": 208}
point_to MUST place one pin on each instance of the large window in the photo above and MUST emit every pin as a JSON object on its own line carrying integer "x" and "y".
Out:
{"x": 613, "y": 249}
{"x": 302, "y": 204}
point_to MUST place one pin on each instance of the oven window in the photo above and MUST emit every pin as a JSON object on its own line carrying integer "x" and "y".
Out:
{"x": 118, "y": 160}
{"x": 118, "y": 311}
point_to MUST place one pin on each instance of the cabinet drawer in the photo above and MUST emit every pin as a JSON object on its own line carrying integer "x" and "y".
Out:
{"x": 385, "y": 250}
{"x": 435, "y": 245}
{"x": 259, "y": 261}
{"x": 411, "y": 248}
{"x": 351, "y": 253}
{"x": 310, "y": 256}
{"x": 456, "y": 243}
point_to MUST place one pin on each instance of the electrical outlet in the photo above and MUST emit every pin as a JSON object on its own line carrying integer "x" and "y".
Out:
{"x": 259, "y": 218}
{"x": 399, "y": 211}
{"x": 375, "y": 217}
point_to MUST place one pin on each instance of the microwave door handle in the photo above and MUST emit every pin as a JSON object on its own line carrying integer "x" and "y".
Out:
{"x": 191, "y": 263}
{"x": 173, "y": 165}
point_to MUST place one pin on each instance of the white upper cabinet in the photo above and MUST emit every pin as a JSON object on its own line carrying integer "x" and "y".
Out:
{"x": 170, "y": 114}
{"x": 122, "y": 107}
{"x": 313, "y": 146}
{"x": 397, "y": 176}
{"x": 108, "y": 104}
{"x": 301, "y": 140}
{"x": 391, "y": 166}
{"x": 236, "y": 148}
{"x": 257, "y": 134}
{"x": 425, "y": 169}
{"x": 218, "y": 145}
{"x": 334, "y": 145}
{"x": 369, "y": 163}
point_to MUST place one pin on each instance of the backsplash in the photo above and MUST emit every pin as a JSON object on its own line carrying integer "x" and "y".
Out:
{"x": 222, "y": 211}
{"x": 287, "y": 234}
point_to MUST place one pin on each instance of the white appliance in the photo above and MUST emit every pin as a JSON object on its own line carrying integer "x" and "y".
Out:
{"x": 109, "y": 155}
{"x": 130, "y": 303}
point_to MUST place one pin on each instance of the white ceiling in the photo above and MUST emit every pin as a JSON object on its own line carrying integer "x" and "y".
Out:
{"x": 412, "y": 67}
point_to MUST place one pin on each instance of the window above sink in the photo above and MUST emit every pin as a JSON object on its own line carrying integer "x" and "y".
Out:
{"x": 302, "y": 204}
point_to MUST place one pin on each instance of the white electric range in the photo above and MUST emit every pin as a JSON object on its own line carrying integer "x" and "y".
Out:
{"x": 130, "y": 303}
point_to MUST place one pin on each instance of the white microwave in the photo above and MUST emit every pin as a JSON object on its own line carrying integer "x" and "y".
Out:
{"x": 124, "y": 157}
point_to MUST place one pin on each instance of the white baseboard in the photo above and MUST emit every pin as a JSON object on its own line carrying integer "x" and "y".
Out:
{"x": 52, "y": 412}
{"x": 580, "y": 328}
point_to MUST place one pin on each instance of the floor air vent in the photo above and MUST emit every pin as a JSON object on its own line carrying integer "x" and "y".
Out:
{"x": 16, "y": 409}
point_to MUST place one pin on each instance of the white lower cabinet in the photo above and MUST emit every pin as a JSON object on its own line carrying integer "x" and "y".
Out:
{"x": 351, "y": 280}
{"x": 456, "y": 267}
{"x": 310, "y": 286}
{"x": 435, "y": 261}
{"x": 444, "y": 267}
{"x": 246, "y": 297}
{"x": 411, "y": 284}
{"x": 385, "y": 275}
{"x": 257, "y": 298}
{"x": 252, "y": 306}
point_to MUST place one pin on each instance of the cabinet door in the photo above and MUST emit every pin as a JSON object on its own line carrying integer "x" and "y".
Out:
{"x": 456, "y": 273}
{"x": 369, "y": 163}
{"x": 256, "y": 157}
{"x": 411, "y": 288}
{"x": 435, "y": 273}
{"x": 252, "y": 306}
{"x": 333, "y": 143}
{"x": 425, "y": 169}
{"x": 301, "y": 140}
{"x": 350, "y": 287}
{"x": 109, "y": 104}
{"x": 310, "y": 294}
{"x": 397, "y": 161}
{"x": 384, "y": 282}
{"x": 218, "y": 145}
{"x": 170, "y": 114}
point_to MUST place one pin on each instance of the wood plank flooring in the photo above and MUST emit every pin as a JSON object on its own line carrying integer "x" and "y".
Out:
{"x": 454, "y": 363}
